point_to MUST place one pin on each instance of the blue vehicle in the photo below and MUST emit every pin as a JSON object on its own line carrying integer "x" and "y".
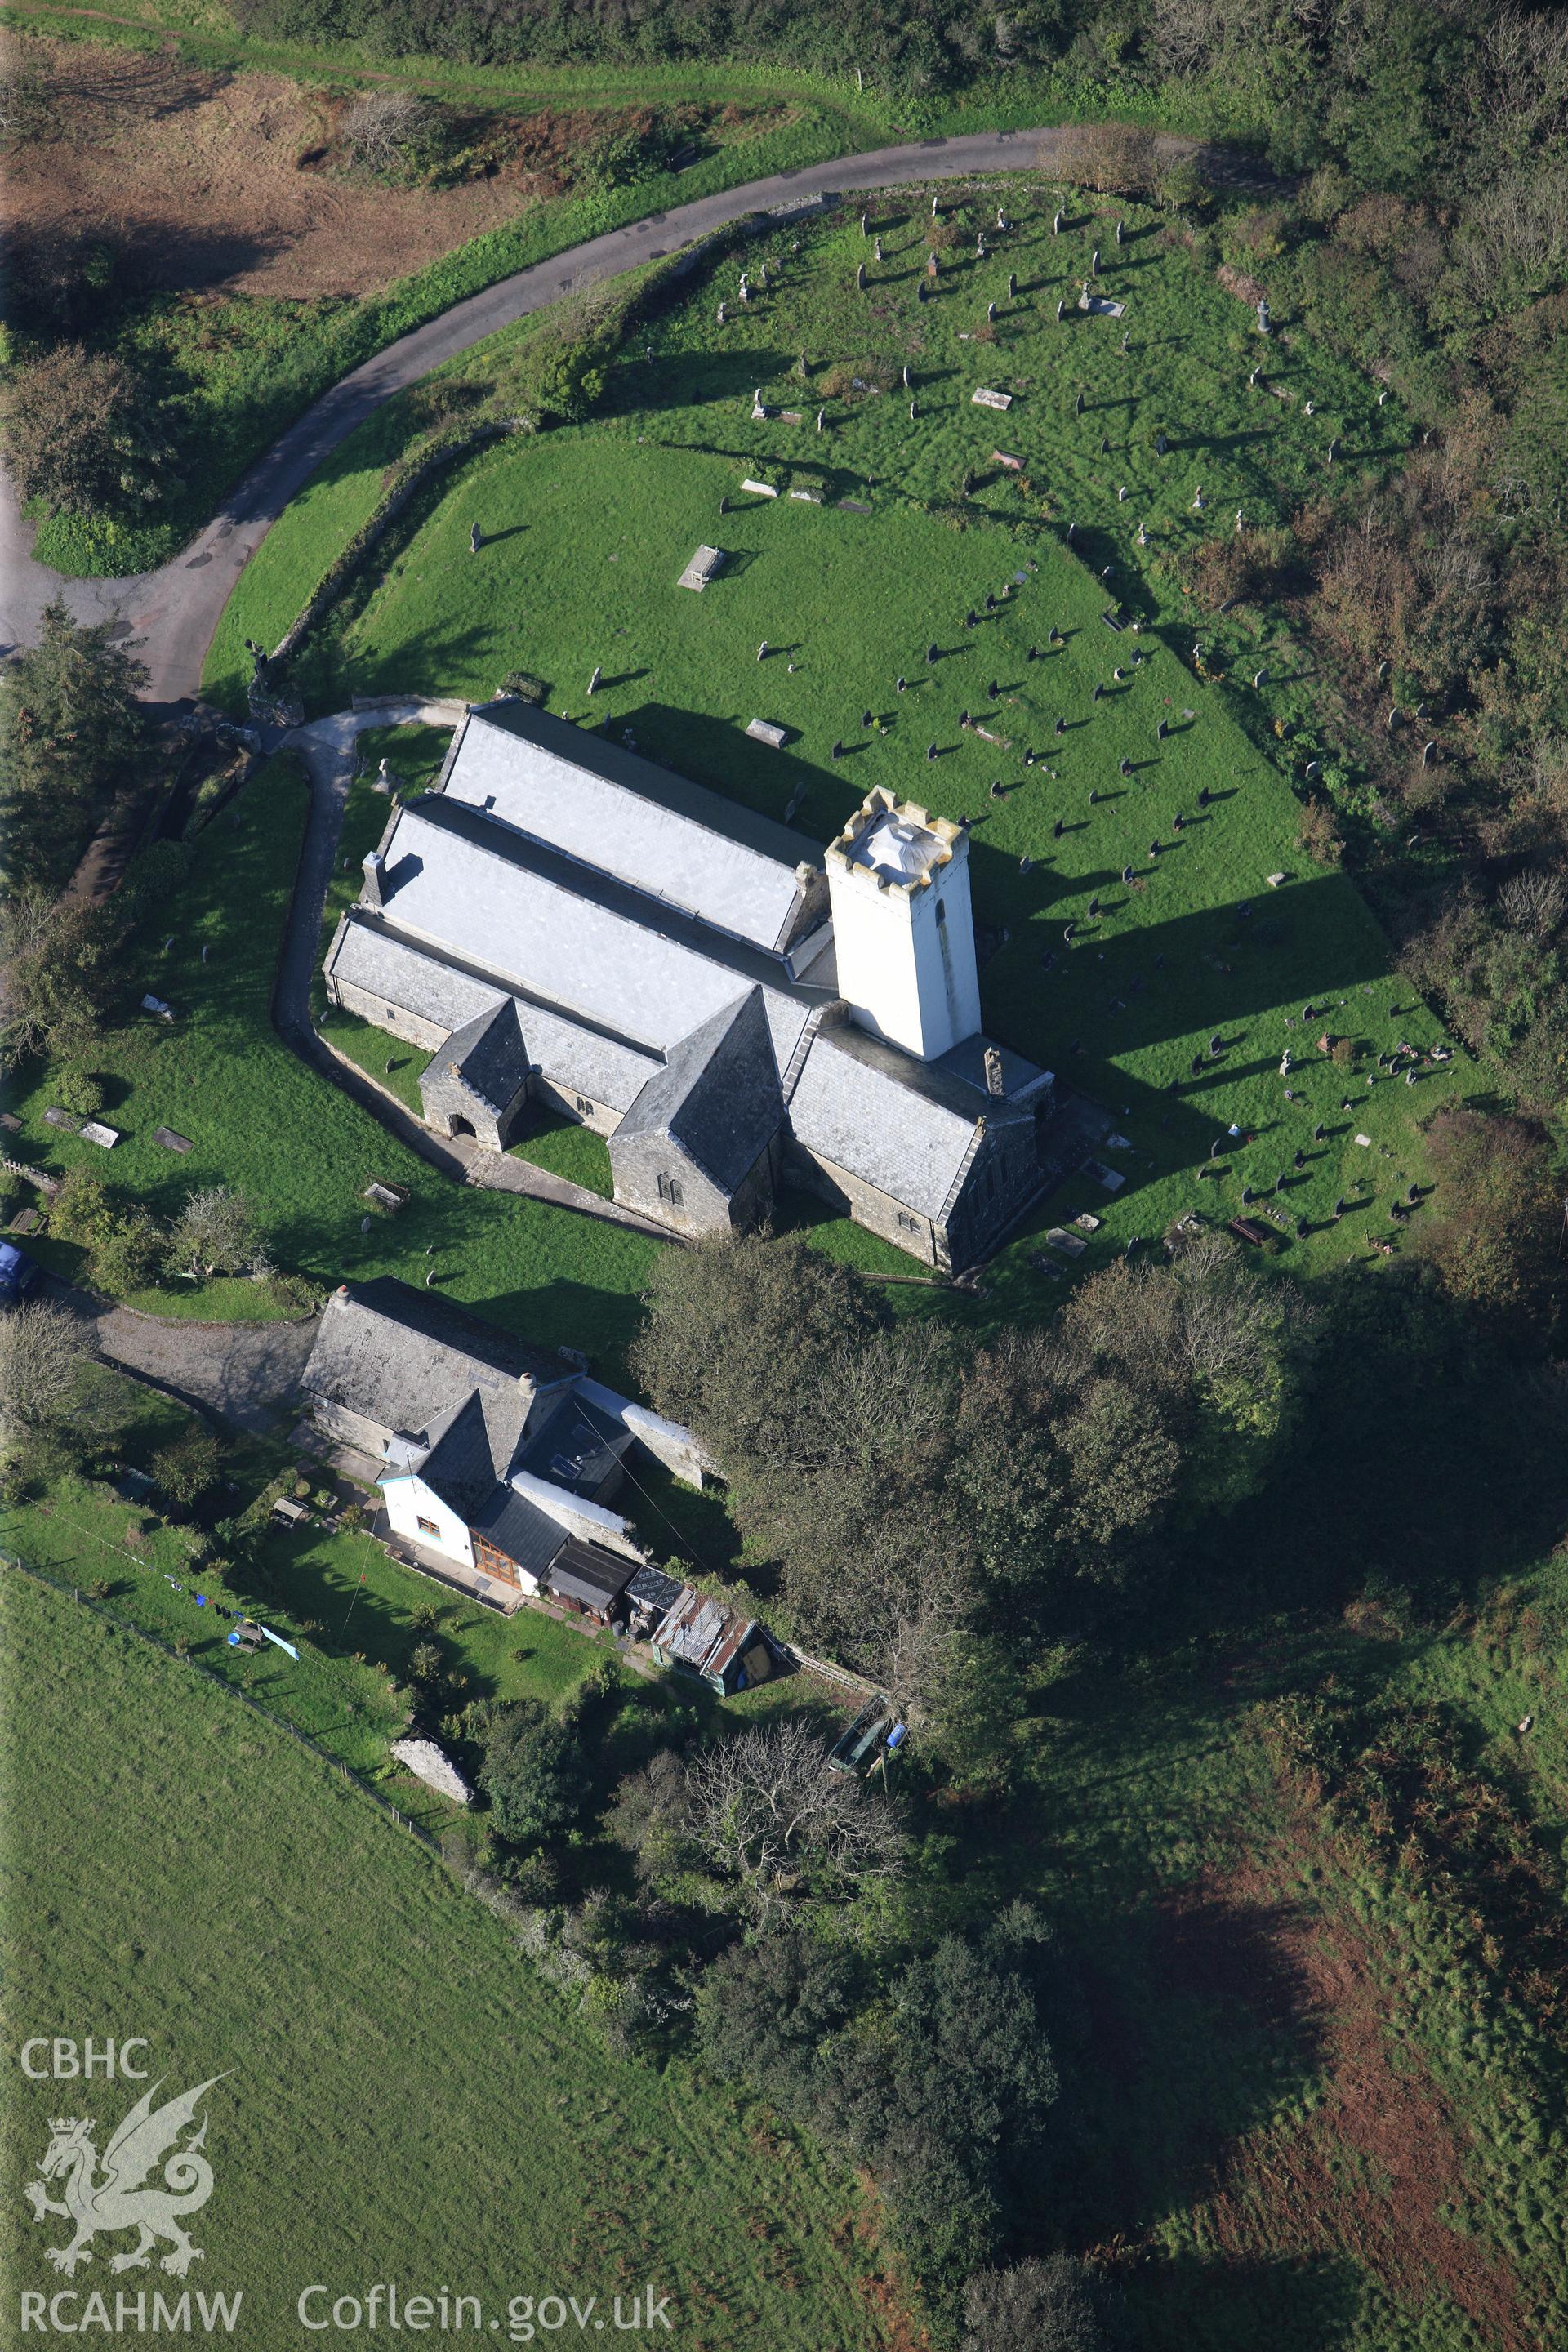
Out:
{"x": 19, "y": 1277}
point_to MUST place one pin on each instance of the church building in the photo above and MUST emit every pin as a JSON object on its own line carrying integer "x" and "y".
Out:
{"x": 560, "y": 922}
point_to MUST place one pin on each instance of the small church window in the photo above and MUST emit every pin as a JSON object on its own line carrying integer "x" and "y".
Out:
{"x": 586, "y": 1106}
{"x": 908, "y": 1225}
{"x": 669, "y": 1188}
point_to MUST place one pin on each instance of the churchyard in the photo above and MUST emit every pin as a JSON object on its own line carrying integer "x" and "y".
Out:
{"x": 257, "y": 1118}
{"x": 1141, "y": 784}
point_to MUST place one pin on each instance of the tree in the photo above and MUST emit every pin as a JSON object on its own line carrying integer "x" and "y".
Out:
{"x": 81, "y": 433}
{"x": 1058, "y": 2305}
{"x": 821, "y": 1416}
{"x": 189, "y": 1466}
{"x": 81, "y": 1210}
{"x": 533, "y": 1772}
{"x": 1494, "y": 1225}
{"x": 129, "y": 1256}
{"x": 43, "y": 1350}
{"x": 768, "y": 2009}
{"x": 72, "y": 729}
{"x": 736, "y": 1328}
{"x": 63, "y": 978}
{"x": 948, "y": 2096}
{"x": 762, "y": 1811}
{"x": 910, "y": 1602}
{"x": 215, "y": 1233}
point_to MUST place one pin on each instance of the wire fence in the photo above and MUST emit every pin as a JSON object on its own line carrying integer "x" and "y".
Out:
{"x": 179, "y": 1657}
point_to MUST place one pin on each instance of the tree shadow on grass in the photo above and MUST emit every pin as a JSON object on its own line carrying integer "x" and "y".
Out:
{"x": 1222, "y": 2303}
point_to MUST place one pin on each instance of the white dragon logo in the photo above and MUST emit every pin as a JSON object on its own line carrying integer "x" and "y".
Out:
{"x": 120, "y": 2201}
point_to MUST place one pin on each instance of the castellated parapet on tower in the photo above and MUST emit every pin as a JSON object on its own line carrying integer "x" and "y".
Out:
{"x": 897, "y": 881}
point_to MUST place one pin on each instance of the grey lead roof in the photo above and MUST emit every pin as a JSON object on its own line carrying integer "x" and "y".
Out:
{"x": 572, "y": 940}
{"x": 418, "y": 980}
{"x": 718, "y": 1095}
{"x": 901, "y": 1125}
{"x": 593, "y": 800}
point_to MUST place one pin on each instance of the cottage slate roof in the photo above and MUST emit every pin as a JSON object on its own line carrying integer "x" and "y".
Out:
{"x": 519, "y": 1530}
{"x": 461, "y": 1465}
{"x": 490, "y": 1055}
{"x": 577, "y": 942}
{"x": 595, "y": 801}
{"x": 899, "y": 1123}
{"x": 422, "y": 981}
{"x": 408, "y": 1360}
{"x": 577, "y": 1446}
{"x": 718, "y": 1095}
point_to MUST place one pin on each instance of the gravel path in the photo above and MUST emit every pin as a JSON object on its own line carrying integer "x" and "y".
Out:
{"x": 243, "y": 1373}
{"x": 174, "y": 612}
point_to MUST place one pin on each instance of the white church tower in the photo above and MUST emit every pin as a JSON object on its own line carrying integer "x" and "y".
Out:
{"x": 902, "y": 928}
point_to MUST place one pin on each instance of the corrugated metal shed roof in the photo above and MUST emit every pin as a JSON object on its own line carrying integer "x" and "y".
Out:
{"x": 594, "y": 1578}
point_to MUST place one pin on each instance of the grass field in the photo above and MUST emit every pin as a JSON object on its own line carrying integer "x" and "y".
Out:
{"x": 586, "y": 529}
{"x": 402, "y": 2097}
{"x": 259, "y": 1119}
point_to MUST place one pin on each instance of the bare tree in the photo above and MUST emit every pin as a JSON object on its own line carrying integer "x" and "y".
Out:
{"x": 1231, "y": 1324}
{"x": 380, "y": 130}
{"x": 912, "y": 1603}
{"x": 763, "y": 1809}
{"x": 1105, "y": 156}
{"x": 1518, "y": 225}
{"x": 26, "y": 109}
{"x": 43, "y": 1349}
{"x": 1534, "y": 902}
{"x": 216, "y": 1232}
{"x": 891, "y": 1394}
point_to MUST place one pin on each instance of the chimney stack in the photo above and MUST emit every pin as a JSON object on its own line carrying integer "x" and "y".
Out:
{"x": 994, "y": 1082}
{"x": 374, "y": 879}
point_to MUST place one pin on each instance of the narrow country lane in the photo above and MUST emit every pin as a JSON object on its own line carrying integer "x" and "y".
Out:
{"x": 173, "y": 613}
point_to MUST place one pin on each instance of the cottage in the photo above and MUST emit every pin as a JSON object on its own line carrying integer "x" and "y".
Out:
{"x": 493, "y": 1458}
{"x": 562, "y": 923}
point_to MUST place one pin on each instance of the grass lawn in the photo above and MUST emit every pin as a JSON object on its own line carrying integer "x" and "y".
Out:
{"x": 259, "y": 1119}
{"x": 587, "y": 528}
{"x": 382, "y": 2042}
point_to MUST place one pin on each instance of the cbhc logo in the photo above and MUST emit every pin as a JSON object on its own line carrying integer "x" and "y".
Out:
{"x": 68, "y": 2059}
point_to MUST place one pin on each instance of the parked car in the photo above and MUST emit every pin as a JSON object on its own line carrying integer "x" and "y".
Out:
{"x": 19, "y": 1274}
